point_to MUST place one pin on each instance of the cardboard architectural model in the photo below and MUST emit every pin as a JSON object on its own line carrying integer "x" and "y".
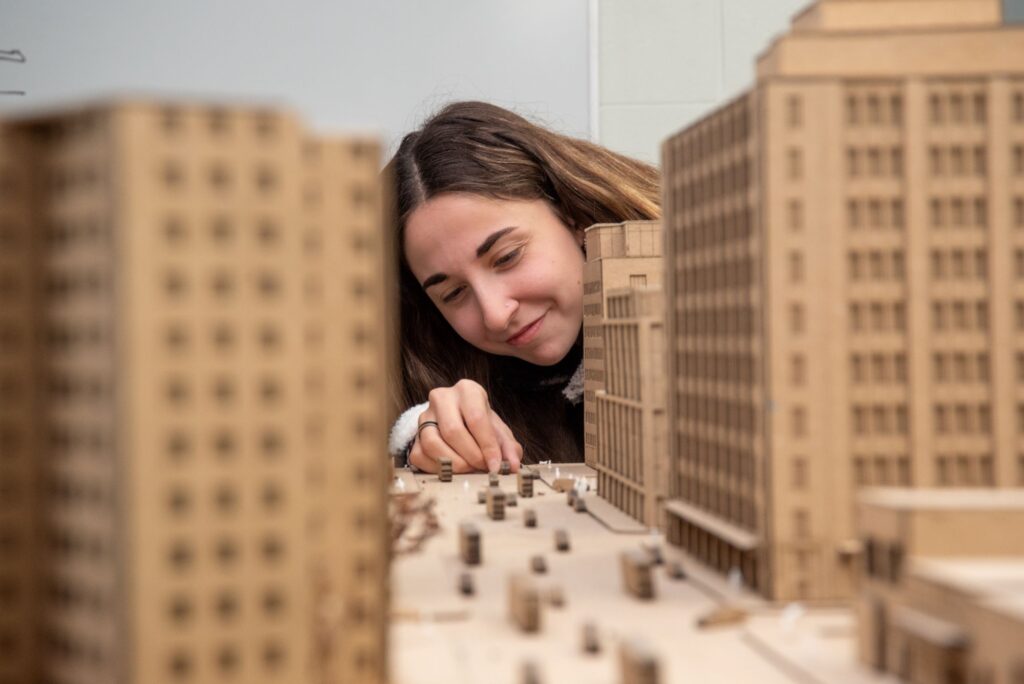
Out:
{"x": 624, "y": 365}
{"x": 942, "y": 596}
{"x": 844, "y": 252}
{"x": 193, "y": 413}
{"x": 631, "y": 449}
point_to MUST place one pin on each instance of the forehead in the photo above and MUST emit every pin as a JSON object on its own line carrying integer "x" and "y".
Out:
{"x": 447, "y": 229}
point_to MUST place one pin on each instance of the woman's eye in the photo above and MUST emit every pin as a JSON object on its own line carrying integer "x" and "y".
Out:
{"x": 451, "y": 296}
{"x": 507, "y": 258}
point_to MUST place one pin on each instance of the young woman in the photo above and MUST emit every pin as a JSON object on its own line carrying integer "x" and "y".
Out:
{"x": 490, "y": 211}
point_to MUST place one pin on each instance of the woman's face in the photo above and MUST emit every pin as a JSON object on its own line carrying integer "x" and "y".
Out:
{"x": 507, "y": 275}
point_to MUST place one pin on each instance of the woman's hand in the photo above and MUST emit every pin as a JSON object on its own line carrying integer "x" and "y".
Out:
{"x": 467, "y": 431}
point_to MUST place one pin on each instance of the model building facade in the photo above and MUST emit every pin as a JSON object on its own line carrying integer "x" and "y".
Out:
{"x": 197, "y": 292}
{"x": 623, "y": 363}
{"x": 631, "y": 453}
{"x": 845, "y": 253}
{"x": 941, "y": 599}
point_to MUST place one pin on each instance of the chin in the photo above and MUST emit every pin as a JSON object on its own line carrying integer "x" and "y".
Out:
{"x": 547, "y": 356}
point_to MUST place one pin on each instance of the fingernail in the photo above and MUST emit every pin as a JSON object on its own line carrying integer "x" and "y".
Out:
{"x": 494, "y": 465}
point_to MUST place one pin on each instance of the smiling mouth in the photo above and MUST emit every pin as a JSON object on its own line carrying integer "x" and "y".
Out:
{"x": 527, "y": 333}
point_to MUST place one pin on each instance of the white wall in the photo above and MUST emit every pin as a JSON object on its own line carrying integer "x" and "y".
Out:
{"x": 640, "y": 70}
{"x": 661, "y": 64}
{"x": 378, "y": 65}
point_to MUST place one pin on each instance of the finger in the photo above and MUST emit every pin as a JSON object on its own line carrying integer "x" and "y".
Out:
{"x": 422, "y": 460}
{"x": 476, "y": 413}
{"x": 511, "y": 450}
{"x": 430, "y": 415}
{"x": 435, "y": 448}
{"x": 460, "y": 467}
{"x": 510, "y": 453}
{"x": 454, "y": 431}
{"x": 416, "y": 455}
{"x": 427, "y": 414}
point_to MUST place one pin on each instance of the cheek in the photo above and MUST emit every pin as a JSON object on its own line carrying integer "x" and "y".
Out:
{"x": 466, "y": 323}
{"x": 570, "y": 285}
{"x": 549, "y": 279}
{"x": 541, "y": 287}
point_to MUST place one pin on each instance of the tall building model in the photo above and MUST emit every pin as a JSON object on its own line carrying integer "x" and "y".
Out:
{"x": 941, "y": 599}
{"x": 192, "y": 412}
{"x": 624, "y": 390}
{"x": 845, "y": 253}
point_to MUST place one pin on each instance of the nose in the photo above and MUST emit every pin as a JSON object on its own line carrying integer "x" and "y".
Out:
{"x": 497, "y": 309}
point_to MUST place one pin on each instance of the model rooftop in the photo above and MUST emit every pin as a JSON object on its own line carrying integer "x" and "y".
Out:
{"x": 628, "y": 239}
{"x": 944, "y": 498}
{"x": 998, "y": 581}
{"x": 891, "y": 15}
{"x": 905, "y": 38}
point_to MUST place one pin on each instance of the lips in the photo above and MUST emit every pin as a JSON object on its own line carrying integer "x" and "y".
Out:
{"x": 527, "y": 333}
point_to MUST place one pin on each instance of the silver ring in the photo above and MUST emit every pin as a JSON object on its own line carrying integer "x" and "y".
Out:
{"x": 425, "y": 424}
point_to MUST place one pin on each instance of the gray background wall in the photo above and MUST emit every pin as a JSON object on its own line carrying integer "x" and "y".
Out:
{"x": 662, "y": 64}
{"x": 624, "y": 72}
{"x": 378, "y": 65}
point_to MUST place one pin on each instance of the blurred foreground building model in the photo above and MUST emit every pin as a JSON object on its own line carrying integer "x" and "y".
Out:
{"x": 942, "y": 597}
{"x": 192, "y": 411}
{"x": 624, "y": 390}
{"x": 845, "y": 260}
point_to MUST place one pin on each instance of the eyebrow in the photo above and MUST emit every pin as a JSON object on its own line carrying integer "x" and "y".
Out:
{"x": 484, "y": 247}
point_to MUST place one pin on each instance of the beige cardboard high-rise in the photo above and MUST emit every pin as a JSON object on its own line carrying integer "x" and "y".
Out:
{"x": 21, "y": 430}
{"x": 623, "y": 365}
{"x": 845, "y": 253}
{"x": 197, "y": 332}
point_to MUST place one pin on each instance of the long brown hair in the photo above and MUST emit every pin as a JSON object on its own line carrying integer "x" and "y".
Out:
{"x": 482, "y": 149}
